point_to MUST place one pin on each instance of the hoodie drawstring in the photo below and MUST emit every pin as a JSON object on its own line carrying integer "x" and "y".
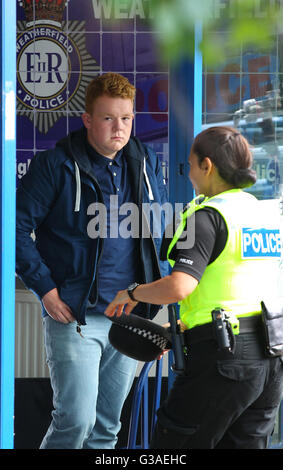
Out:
{"x": 78, "y": 188}
{"x": 151, "y": 197}
{"x": 78, "y": 185}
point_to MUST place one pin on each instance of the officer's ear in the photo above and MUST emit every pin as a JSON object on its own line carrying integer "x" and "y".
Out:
{"x": 207, "y": 166}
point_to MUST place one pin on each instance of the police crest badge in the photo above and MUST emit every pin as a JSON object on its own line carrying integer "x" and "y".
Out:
{"x": 48, "y": 50}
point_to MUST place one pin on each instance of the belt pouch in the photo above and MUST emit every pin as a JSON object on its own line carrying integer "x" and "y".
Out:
{"x": 272, "y": 316}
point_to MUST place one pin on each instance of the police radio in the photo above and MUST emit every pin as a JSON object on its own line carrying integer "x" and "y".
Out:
{"x": 222, "y": 330}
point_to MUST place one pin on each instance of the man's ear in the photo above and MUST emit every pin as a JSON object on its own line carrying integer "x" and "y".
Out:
{"x": 86, "y": 118}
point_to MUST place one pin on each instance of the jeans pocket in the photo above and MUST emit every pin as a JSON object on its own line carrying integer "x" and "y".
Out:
{"x": 240, "y": 370}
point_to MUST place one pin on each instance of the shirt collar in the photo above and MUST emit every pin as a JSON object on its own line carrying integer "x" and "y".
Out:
{"x": 101, "y": 160}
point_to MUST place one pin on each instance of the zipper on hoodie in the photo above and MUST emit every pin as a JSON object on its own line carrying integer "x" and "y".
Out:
{"x": 99, "y": 256}
{"x": 151, "y": 236}
{"x": 141, "y": 215}
{"x": 89, "y": 289}
{"x": 79, "y": 329}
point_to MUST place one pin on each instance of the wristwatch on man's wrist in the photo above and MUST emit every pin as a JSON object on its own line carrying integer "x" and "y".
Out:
{"x": 131, "y": 289}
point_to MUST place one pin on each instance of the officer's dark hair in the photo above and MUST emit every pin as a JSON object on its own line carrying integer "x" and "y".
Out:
{"x": 230, "y": 153}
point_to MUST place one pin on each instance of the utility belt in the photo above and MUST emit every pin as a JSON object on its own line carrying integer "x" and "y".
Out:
{"x": 224, "y": 329}
{"x": 221, "y": 330}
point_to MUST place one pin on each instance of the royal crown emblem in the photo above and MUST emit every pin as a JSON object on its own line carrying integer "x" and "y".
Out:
{"x": 42, "y": 10}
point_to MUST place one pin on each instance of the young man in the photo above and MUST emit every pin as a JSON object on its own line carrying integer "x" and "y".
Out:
{"x": 79, "y": 258}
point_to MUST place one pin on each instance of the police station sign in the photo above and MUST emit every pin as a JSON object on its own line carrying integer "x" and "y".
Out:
{"x": 119, "y": 9}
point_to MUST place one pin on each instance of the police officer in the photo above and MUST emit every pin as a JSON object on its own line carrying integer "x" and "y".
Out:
{"x": 225, "y": 255}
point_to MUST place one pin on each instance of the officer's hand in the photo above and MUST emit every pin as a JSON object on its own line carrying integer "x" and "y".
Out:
{"x": 56, "y": 308}
{"x": 165, "y": 351}
{"x": 117, "y": 305}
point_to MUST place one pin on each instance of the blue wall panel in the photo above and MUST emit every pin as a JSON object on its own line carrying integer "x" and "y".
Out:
{"x": 185, "y": 121}
{"x": 7, "y": 212}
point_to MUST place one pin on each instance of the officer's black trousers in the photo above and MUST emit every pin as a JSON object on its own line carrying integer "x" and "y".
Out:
{"x": 225, "y": 401}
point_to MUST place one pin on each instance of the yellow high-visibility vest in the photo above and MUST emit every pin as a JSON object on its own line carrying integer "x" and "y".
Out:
{"x": 246, "y": 271}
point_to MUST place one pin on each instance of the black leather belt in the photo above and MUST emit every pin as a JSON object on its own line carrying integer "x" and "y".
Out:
{"x": 205, "y": 332}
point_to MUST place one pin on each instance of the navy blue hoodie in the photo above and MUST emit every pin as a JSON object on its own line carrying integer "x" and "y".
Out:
{"x": 53, "y": 200}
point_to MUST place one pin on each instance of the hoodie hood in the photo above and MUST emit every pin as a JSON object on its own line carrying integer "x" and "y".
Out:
{"x": 74, "y": 147}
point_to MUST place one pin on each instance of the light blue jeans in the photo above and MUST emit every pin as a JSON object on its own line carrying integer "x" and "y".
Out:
{"x": 90, "y": 381}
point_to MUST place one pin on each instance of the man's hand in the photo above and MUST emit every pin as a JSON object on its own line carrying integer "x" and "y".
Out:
{"x": 56, "y": 308}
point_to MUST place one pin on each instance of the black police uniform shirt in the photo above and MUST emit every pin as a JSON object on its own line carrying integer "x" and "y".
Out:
{"x": 210, "y": 239}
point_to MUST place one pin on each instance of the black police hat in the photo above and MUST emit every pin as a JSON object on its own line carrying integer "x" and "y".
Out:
{"x": 138, "y": 337}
